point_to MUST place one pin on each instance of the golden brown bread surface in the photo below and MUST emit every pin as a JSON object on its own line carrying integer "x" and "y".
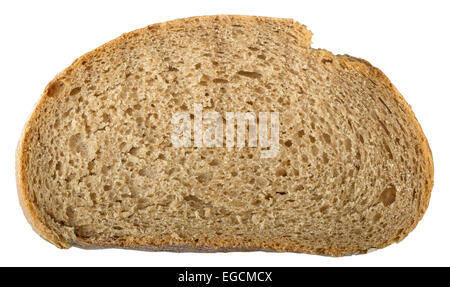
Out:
{"x": 96, "y": 167}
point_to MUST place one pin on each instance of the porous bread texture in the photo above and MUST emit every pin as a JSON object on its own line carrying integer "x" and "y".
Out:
{"x": 96, "y": 167}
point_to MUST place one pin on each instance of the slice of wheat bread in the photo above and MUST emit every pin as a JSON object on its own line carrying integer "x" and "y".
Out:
{"x": 96, "y": 166}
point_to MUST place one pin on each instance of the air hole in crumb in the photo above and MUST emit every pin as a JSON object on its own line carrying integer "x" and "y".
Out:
{"x": 107, "y": 187}
{"x": 202, "y": 177}
{"x": 256, "y": 202}
{"x": 105, "y": 169}
{"x": 348, "y": 145}
{"x": 326, "y": 138}
{"x": 384, "y": 104}
{"x": 288, "y": 143}
{"x": 133, "y": 151}
{"x": 262, "y": 57}
{"x": 376, "y": 217}
{"x": 314, "y": 150}
{"x": 252, "y": 75}
{"x": 220, "y": 81}
{"x": 91, "y": 165}
{"x": 106, "y": 118}
{"x": 214, "y": 162}
{"x": 70, "y": 212}
{"x": 361, "y": 139}
{"x": 55, "y": 88}
{"x": 58, "y": 166}
{"x": 204, "y": 80}
{"x": 281, "y": 172}
{"x": 325, "y": 158}
{"x": 324, "y": 209}
{"x": 386, "y": 146}
{"x": 171, "y": 171}
{"x": 387, "y": 197}
{"x": 75, "y": 91}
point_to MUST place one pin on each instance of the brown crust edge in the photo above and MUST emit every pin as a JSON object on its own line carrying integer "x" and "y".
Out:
{"x": 358, "y": 64}
{"x": 366, "y": 68}
{"x": 24, "y": 199}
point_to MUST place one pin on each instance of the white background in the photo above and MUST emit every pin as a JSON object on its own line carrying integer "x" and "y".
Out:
{"x": 408, "y": 40}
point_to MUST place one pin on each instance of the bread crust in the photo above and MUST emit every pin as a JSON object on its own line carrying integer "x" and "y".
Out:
{"x": 366, "y": 68}
{"x": 32, "y": 214}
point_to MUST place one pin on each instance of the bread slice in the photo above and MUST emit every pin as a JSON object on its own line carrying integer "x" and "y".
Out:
{"x": 96, "y": 166}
